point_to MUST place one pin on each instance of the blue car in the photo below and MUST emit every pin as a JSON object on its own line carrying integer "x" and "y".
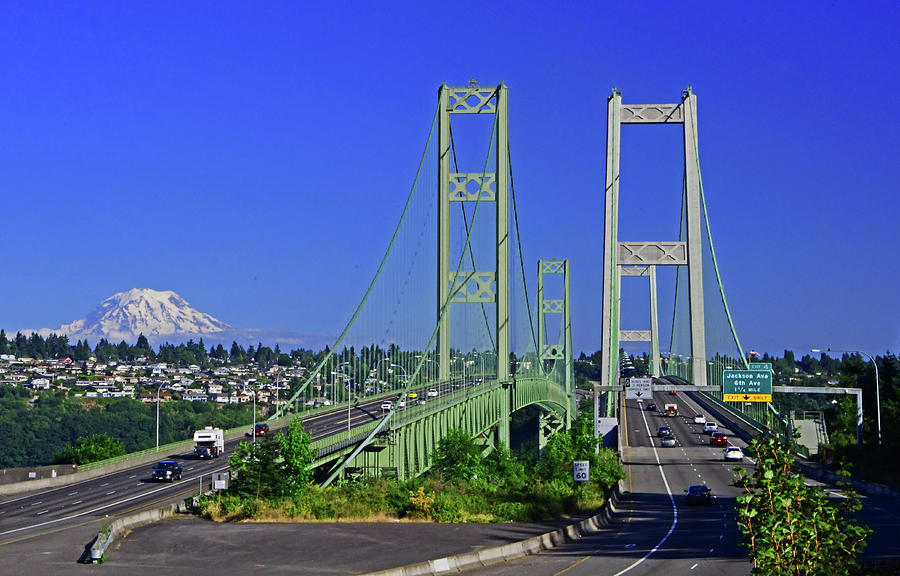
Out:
{"x": 699, "y": 494}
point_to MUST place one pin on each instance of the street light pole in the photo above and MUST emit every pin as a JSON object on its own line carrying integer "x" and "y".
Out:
{"x": 253, "y": 390}
{"x": 877, "y": 389}
{"x": 158, "y": 389}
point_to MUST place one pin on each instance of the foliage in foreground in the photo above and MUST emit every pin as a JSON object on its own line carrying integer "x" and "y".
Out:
{"x": 792, "y": 529}
{"x": 463, "y": 486}
{"x": 275, "y": 466}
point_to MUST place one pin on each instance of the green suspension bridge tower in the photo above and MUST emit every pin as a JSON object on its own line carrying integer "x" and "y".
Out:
{"x": 474, "y": 286}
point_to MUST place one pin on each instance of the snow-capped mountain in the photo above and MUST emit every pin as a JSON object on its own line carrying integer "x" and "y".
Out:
{"x": 153, "y": 313}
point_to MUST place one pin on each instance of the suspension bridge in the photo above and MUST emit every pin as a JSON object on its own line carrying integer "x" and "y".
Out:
{"x": 448, "y": 335}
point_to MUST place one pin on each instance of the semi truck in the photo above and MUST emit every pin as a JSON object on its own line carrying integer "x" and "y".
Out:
{"x": 671, "y": 410}
{"x": 209, "y": 442}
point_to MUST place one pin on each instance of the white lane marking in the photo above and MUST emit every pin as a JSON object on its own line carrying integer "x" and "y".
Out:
{"x": 41, "y": 512}
{"x": 671, "y": 499}
{"x": 694, "y": 566}
{"x": 132, "y": 476}
{"x": 36, "y": 503}
{"x": 77, "y": 502}
{"x": 110, "y": 493}
{"x": 104, "y": 507}
{"x": 104, "y": 484}
{"x": 72, "y": 493}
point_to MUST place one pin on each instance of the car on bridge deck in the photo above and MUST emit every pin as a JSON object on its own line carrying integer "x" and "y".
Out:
{"x": 699, "y": 419}
{"x": 167, "y": 471}
{"x": 710, "y": 428}
{"x": 699, "y": 494}
{"x": 650, "y": 406}
{"x": 664, "y": 431}
{"x": 432, "y": 393}
{"x": 719, "y": 439}
{"x": 734, "y": 454}
{"x": 387, "y": 405}
{"x": 668, "y": 441}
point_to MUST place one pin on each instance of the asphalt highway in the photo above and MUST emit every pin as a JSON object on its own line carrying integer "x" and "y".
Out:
{"x": 656, "y": 531}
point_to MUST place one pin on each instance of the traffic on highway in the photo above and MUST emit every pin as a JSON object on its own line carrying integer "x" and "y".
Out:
{"x": 176, "y": 476}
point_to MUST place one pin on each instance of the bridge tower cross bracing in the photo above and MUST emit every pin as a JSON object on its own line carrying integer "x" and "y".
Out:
{"x": 617, "y": 254}
{"x": 561, "y": 350}
{"x": 453, "y": 187}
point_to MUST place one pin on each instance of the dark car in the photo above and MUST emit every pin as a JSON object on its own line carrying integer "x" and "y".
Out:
{"x": 650, "y": 406}
{"x": 719, "y": 439}
{"x": 166, "y": 470}
{"x": 699, "y": 494}
{"x": 664, "y": 431}
{"x": 261, "y": 429}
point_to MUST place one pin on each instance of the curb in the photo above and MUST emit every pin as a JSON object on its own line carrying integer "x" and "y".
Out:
{"x": 120, "y": 525}
{"x": 510, "y": 551}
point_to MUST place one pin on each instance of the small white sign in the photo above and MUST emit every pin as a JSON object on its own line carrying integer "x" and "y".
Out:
{"x": 220, "y": 480}
{"x": 581, "y": 470}
{"x": 639, "y": 388}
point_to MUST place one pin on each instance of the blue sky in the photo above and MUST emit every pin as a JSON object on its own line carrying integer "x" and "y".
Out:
{"x": 254, "y": 157}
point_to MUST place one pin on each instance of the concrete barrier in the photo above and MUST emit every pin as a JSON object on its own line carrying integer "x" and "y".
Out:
{"x": 499, "y": 554}
{"x": 106, "y": 536}
{"x": 32, "y": 473}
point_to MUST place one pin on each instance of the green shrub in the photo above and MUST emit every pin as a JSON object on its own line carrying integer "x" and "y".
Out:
{"x": 447, "y": 507}
{"x": 511, "y": 512}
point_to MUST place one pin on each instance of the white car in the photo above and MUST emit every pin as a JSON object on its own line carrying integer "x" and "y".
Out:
{"x": 401, "y": 403}
{"x": 387, "y": 405}
{"x": 734, "y": 454}
{"x": 432, "y": 393}
{"x": 668, "y": 441}
{"x": 699, "y": 419}
{"x": 710, "y": 428}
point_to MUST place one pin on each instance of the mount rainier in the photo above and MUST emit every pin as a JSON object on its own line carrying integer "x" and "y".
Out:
{"x": 154, "y": 313}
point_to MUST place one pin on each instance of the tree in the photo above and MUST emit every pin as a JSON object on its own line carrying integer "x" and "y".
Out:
{"x": 92, "y": 449}
{"x": 790, "y": 528}
{"x": 275, "y": 466}
{"x": 298, "y": 454}
{"x": 457, "y": 457}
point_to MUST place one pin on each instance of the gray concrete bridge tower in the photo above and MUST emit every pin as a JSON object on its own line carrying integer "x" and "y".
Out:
{"x": 621, "y": 258}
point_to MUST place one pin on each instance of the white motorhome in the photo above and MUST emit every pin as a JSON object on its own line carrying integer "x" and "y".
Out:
{"x": 209, "y": 442}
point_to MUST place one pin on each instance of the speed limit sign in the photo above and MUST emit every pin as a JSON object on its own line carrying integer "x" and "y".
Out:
{"x": 581, "y": 470}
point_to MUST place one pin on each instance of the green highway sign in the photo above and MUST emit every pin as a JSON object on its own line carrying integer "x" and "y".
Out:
{"x": 747, "y": 385}
{"x": 761, "y": 366}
